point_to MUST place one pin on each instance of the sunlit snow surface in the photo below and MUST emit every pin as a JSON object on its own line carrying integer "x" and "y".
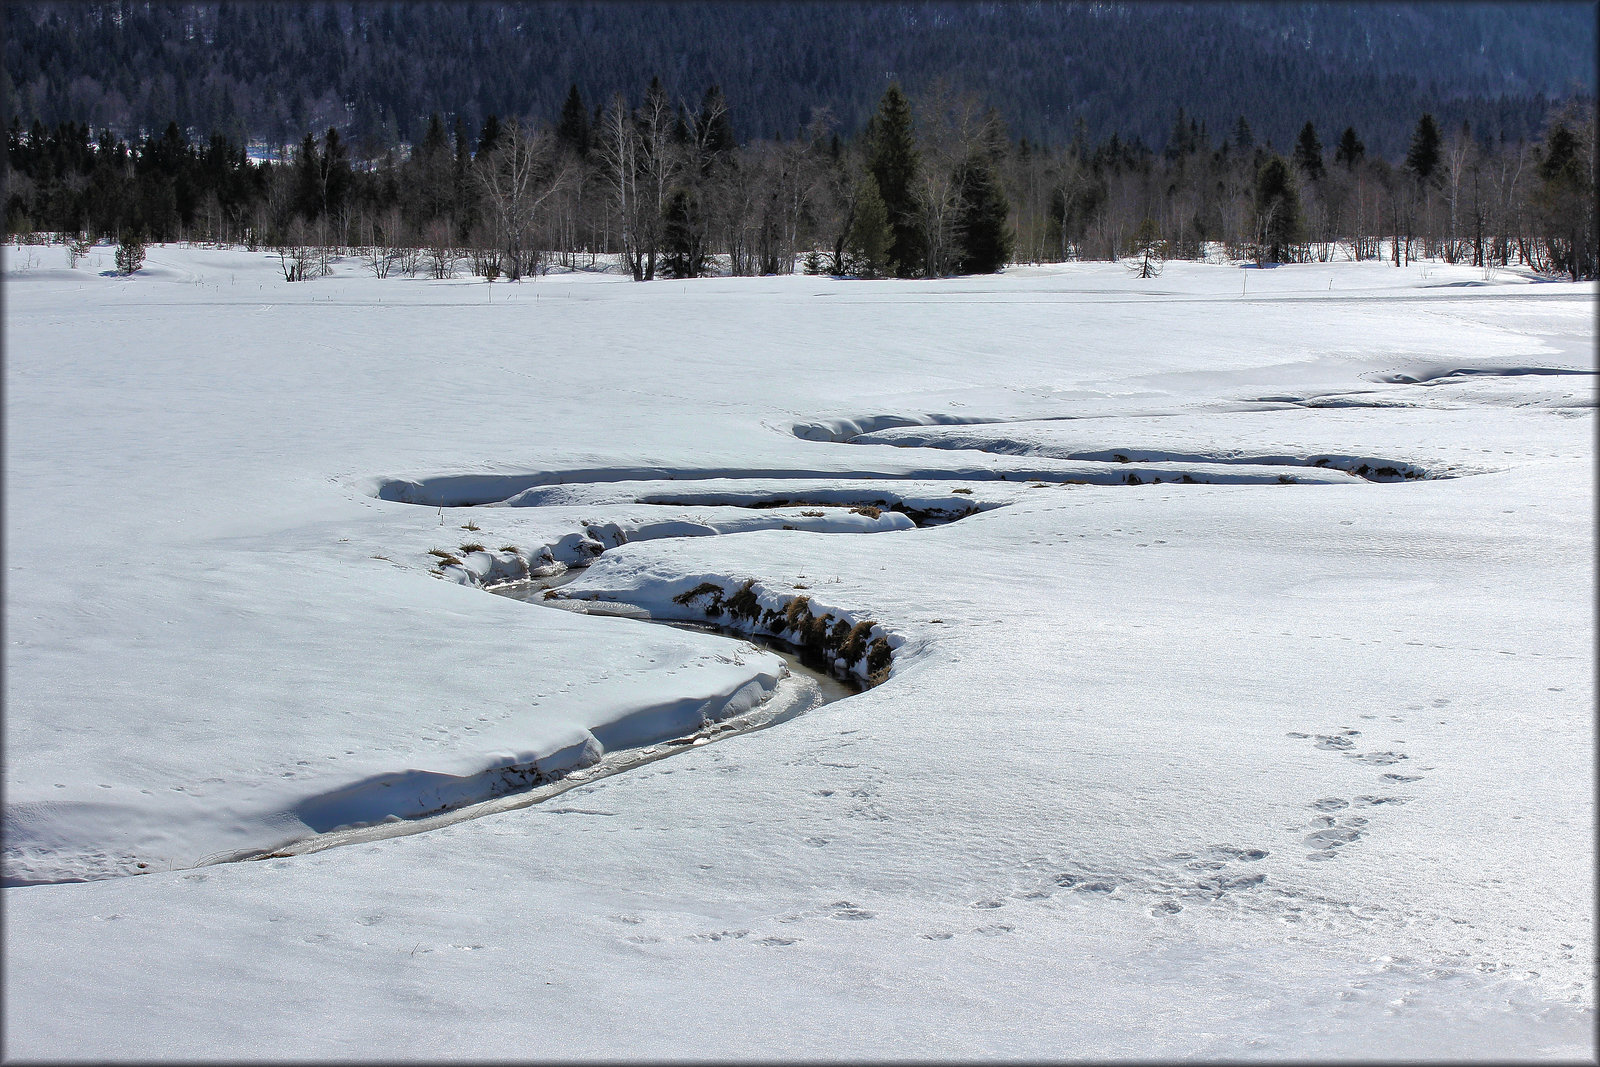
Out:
{"x": 1229, "y": 769}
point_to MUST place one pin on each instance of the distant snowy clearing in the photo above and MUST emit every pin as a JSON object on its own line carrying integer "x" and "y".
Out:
{"x": 1234, "y": 643}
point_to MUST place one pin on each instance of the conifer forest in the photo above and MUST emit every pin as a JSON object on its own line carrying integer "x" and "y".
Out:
{"x": 663, "y": 178}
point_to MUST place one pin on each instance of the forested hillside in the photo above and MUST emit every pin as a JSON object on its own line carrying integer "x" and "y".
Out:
{"x": 687, "y": 139}
{"x": 377, "y": 71}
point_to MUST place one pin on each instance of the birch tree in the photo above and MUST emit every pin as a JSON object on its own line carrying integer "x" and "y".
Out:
{"x": 518, "y": 176}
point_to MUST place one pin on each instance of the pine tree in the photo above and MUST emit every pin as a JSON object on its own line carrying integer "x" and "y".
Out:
{"x": 1147, "y": 249}
{"x": 983, "y": 239}
{"x": 893, "y": 161}
{"x": 130, "y": 252}
{"x": 1308, "y": 153}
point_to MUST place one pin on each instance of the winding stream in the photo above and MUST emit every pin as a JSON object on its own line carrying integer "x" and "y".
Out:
{"x": 828, "y": 657}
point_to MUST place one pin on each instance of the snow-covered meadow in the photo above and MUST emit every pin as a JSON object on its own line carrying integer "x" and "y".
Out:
{"x": 1244, "y": 709}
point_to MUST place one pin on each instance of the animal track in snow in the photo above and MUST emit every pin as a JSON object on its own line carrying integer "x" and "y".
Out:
{"x": 1329, "y": 833}
{"x": 1379, "y": 759}
{"x": 1080, "y": 884}
{"x": 1220, "y": 883}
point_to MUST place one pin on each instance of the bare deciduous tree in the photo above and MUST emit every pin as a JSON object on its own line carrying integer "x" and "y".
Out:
{"x": 524, "y": 170}
{"x": 441, "y": 249}
{"x": 619, "y": 151}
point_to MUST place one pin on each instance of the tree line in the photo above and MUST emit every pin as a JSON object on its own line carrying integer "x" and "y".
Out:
{"x": 376, "y": 71}
{"x": 933, "y": 185}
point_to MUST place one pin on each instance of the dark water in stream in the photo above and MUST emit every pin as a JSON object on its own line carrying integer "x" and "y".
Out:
{"x": 802, "y": 661}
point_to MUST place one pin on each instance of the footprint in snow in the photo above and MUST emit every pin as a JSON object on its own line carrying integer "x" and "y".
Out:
{"x": 1080, "y": 884}
{"x": 1218, "y": 884}
{"x": 1248, "y": 855}
{"x": 1380, "y": 759}
{"x": 1332, "y": 837}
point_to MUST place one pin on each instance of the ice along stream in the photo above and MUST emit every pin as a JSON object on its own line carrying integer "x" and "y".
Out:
{"x": 832, "y": 657}
{"x": 808, "y": 684}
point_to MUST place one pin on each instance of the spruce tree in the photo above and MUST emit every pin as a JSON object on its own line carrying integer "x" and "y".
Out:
{"x": 1278, "y": 208}
{"x": 1308, "y": 153}
{"x": 1564, "y": 203}
{"x": 107, "y": 194}
{"x": 893, "y": 161}
{"x": 714, "y": 130}
{"x": 871, "y": 235}
{"x": 462, "y": 201}
{"x": 1184, "y": 139}
{"x": 572, "y": 128}
{"x": 1350, "y": 150}
{"x": 982, "y": 236}
{"x": 682, "y": 239}
{"x": 1242, "y": 137}
{"x": 490, "y": 135}
{"x": 335, "y": 173}
{"x": 1423, "y": 157}
{"x": 433, "y": 141}
{"x": 308, "y": 179}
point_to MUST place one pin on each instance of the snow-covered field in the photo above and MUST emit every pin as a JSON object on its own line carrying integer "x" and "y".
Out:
{"x": 1241, "y": 700}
